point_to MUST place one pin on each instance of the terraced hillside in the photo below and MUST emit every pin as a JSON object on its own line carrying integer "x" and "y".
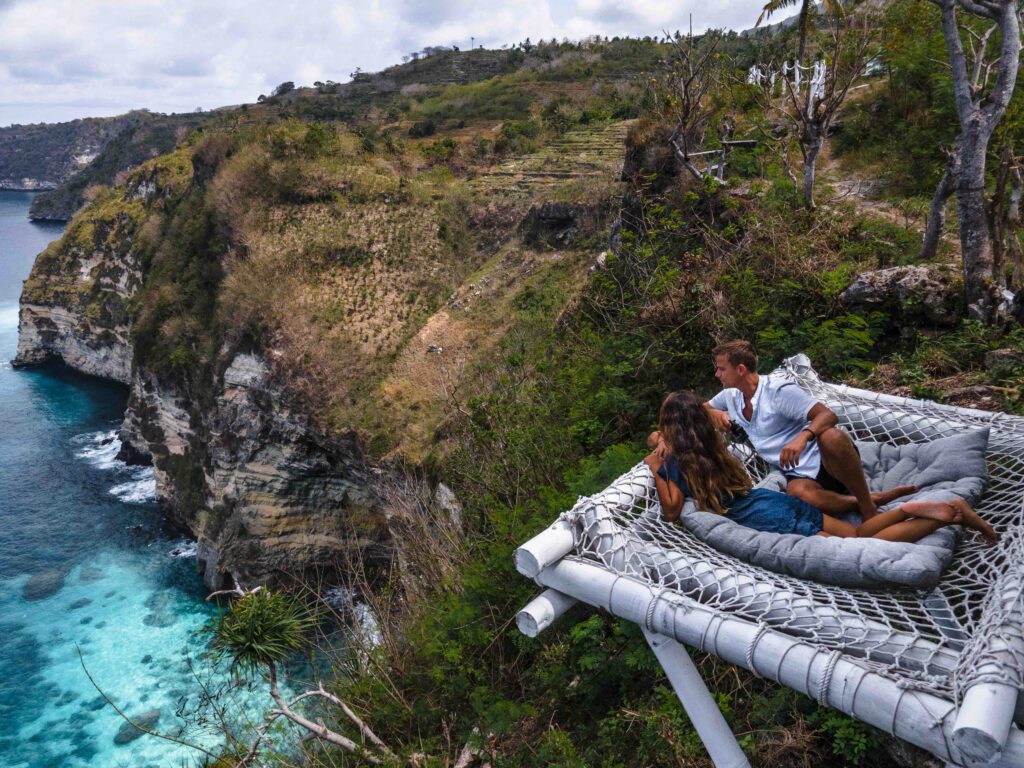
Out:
{"x": 564, "y": 166}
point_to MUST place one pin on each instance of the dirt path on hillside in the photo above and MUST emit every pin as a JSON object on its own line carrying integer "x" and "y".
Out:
{"x": 836, "y": 186}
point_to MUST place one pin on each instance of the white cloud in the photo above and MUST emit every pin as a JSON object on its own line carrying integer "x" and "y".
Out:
{"x": 61, "y": 59}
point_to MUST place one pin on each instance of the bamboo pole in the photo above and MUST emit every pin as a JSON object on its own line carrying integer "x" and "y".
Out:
{"x": 696, "y": 699}
{"x": 541, "y": 612}
{"x": 919, "y": 717}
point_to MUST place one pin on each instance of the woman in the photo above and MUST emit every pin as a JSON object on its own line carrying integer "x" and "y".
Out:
{"x": 690, "y": 459}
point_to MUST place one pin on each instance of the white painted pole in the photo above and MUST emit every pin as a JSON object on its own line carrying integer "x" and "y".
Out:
{"x": 700, "y": 707}
{"x": 989, "y": 699}
{"x": 919, "y": 717}
{"x": 983, "y": 722}
{"x": 541, "y": 612}
{"x": 547, "y": 547}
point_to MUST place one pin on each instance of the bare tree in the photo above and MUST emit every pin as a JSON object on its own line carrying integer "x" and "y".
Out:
{"x": 696, "y": 74}
{"x": 813, "y": 111}
{"x": 979, "y": 110}
{"x": 937, "y": 211}
{"x": 1004, "y": 216}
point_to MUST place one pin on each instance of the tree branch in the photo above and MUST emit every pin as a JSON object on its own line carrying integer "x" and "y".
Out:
{"x": 127, "y": 719}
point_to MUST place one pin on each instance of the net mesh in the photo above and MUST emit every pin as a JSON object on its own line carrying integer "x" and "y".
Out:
{"x": 966, "y": 630}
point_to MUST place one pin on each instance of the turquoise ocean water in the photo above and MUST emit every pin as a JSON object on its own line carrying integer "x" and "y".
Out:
{"x": 107, "y": 576}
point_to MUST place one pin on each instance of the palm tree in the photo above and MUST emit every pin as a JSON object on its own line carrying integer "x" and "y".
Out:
{"x": 831, "y": 7}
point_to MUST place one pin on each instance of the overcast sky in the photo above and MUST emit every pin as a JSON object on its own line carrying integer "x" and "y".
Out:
{"x": 62, "y": 59}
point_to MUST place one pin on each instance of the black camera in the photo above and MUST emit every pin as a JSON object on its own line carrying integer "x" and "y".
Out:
{"x": 738, "y": 433}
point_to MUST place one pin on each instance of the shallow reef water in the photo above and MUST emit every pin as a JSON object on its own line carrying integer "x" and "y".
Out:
{"x": 92, "y": 577}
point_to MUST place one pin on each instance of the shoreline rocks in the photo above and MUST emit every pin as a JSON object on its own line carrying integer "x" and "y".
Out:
{"x": 45, "y": 583}
{"x": 128, "y": 733}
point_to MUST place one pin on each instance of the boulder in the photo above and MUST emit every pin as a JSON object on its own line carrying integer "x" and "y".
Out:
{"x": 927, "y": 294}
{"x": 44, "y": 583}
{"x": 128, "y": 732}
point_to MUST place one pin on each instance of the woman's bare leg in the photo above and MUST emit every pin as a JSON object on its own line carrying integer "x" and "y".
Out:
{"x": 912, "y": 521}
{"x": 942, "y": 514}
{"x": 911, "y": 530}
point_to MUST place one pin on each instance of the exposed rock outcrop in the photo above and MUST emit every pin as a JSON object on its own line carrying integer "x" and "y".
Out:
{"x": 558, "y": 225}
{"x": 74, "y": 305}
{"x": 926, "y": 294}
{"x": 266, "y": 494}
{"x": 56, "y": 333}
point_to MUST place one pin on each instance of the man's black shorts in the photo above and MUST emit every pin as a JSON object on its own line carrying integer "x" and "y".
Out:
{"x": 825, "y": 480}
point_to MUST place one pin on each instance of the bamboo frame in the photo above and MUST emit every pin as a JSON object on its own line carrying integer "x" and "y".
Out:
{"x": 918, "y": 717}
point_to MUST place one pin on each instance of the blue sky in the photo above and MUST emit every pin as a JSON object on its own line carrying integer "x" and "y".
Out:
{"x": 62, "y": 59}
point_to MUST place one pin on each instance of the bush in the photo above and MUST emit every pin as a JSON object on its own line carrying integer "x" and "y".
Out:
{"x": 422, "y": 129}
{"x": 261, "y": 628}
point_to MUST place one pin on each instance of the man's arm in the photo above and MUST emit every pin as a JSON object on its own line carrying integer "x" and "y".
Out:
{"x": 821, "y": 417}
{"x": 719, "y": 418}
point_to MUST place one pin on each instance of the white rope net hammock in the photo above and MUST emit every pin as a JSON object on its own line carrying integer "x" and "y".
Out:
{"x": 963, "y": 634}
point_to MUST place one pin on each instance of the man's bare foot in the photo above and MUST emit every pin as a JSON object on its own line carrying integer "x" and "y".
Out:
{"x": 881, "y": 498}
{"x": 933, "y": 510}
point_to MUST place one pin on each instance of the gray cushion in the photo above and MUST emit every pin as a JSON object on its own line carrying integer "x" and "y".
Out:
{"x": 943, "y": 469}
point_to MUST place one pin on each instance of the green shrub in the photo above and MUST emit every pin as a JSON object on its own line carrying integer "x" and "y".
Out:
{"x": 261, "y": 628}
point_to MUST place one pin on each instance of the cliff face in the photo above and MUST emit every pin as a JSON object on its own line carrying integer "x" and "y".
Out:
{"x": 265, "y": 493}
{"x": 279, "y": 299}
{"x": 75, "y": 303}
{"x": 44, "y": 156}
{"x": 140, "y": 137}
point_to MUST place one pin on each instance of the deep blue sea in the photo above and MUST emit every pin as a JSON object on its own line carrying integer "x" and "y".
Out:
{"x": 108, "y": 578}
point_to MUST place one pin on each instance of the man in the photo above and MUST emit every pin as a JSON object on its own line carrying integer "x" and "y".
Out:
{"x": 791, "y": 430}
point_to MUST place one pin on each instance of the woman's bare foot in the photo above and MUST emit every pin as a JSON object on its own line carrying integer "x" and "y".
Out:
{"x": 971, "y": 519}
{"x": 933, "y": 510}
{"x": 881, "y": 498}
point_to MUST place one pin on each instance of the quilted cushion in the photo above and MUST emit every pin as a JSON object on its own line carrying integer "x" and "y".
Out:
{"x": 942, "y": 469}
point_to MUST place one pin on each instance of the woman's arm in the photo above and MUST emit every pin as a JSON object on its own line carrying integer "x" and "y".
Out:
{"x": 669, "y": 494}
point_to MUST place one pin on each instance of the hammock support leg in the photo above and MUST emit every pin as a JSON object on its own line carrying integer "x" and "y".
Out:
{"x": 541, "y": 612}
{"x": 705, "y": 715}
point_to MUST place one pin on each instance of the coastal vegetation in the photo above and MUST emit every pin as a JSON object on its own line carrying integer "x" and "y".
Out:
{"x": 459, "y": 273}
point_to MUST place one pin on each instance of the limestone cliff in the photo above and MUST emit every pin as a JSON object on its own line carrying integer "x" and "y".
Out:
{"x": 44, "y": 156}
{"x": 74, "y": 305}
{"x": 265, "y": 493}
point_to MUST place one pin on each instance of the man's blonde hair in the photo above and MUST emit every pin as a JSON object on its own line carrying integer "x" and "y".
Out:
{"x": 738, "y": 352}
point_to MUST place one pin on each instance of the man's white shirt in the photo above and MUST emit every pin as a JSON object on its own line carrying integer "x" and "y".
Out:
{"x": 779, "y": 413}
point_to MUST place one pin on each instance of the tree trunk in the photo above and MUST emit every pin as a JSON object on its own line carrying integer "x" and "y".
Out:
{"x": 937, "y": 213}
{"x": 812, "y": 147}
{"x": 1013, "y": 226}
{"x": 981, "y": 284}
{"x": 979, "y": 114}
{"x": 802, "y": 24}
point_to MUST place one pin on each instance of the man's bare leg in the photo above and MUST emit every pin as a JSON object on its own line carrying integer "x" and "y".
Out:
{"x": 832, "y": 503}
{"x": 829, "y": 502}
{"x": 843, "y": 463}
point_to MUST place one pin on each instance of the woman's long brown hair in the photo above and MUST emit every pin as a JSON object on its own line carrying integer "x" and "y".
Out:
{"x": 711, "y": 472}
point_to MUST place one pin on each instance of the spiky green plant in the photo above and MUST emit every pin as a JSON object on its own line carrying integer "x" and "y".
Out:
{"x": 261, "y": 628}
